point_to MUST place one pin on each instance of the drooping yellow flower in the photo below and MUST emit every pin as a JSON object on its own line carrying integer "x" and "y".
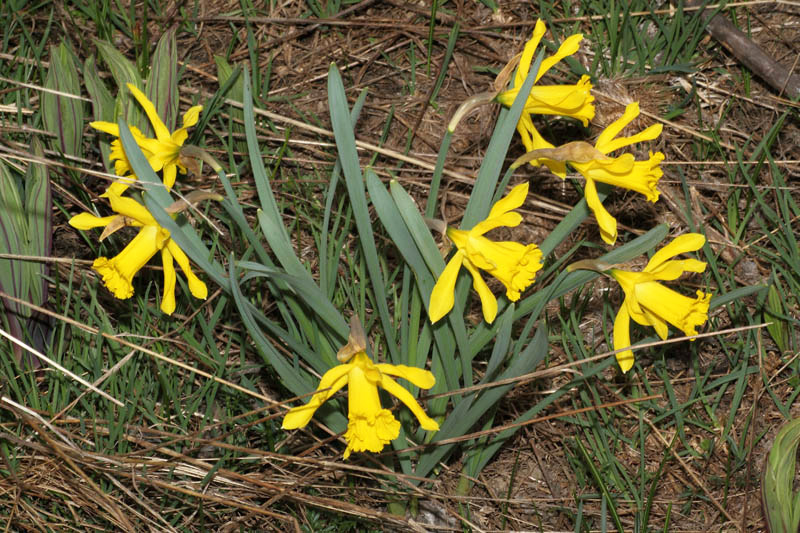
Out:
{"x": 118, "y": 271}
{"x": 650, "y": 303}
{"x": 370, "y": 426}
{"x": 514, "y": 264}
{"x": 595, "y": 166}
{"x": 564, "y": 100}
{"x": 163, "y": 152}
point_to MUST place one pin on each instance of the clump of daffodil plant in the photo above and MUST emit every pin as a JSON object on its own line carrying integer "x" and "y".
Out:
{"x": 118, "y": 272}
{"x": 513, "y": 263}
{"x": 370, "y": 427}
{"x": 594, "y": 164}
{"x": 650, "y": 303}
{"x": 163, "y": 152}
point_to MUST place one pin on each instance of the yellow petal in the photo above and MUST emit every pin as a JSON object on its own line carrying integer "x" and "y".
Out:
{"x": 606, "y": 223}
{"x": 168, "y": 296}
{"x": 443, "y": 294}
{"x": 106, "y": 127}
{"x": 119, "y": 186}
{"x": 506, "y": 220}
{"x": 608, "y": 141}
{"x": 622, "y": 339}
{"x": 191, "y": 116}
{"x": 332, "y": 381}
{"x": 514, "y": 199}
{"x": 162, "y": 133}
{"x": 527, "y": 54}
{"x": 567, "y": 48}
{"x": 671, "y": 270}
{"x": 170, "y": 173}
{"x": 393, "y": 388}
{"x": 424, "y": 379}
{"x": 565, "y": 100}
{"x": 131, "y": 209}
{"x": 85, "y": 221}
{"x": 658, "y": 323}
{"x": 179, "y": 136}
{"x": 613, "y": 129}
{"x": 488, "y": 301}
{"x": 196, "y": 286}
{"x": 688, "y": 242}
{"x": 532, "y": 140}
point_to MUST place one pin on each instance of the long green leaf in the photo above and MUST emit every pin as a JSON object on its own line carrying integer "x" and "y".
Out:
{"x": 346, "y": 145}
{"x": 38, "y": 211}
{"x": 63, "y": 114}
{"x": 102, "y": 103}
{"x": 162, "y": 84}
{"x": 124, "y": 72}
{"x": 486, "y": 182}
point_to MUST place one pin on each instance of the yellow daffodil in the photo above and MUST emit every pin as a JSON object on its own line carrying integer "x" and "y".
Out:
{"x": 594, "y": 165}
{"x": 650, "y": 303}
{"x": 370, "y": 426}
{"x": 565, "y": 100}
{"x": 514, "y": 264}
{"x": 118, "y": 271}
{"x": 163, "y": 152}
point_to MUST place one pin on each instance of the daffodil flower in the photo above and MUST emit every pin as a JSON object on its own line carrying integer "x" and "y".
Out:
{"x": 370, "y": 426}
{"x": 163, "y": 152}
{"x": 595, "y": 166}
{"x": 650, "y": 303}
{"x": 118, "y": 271}
{"x": 566, "y": 100}
{"x": 514, "y": 264}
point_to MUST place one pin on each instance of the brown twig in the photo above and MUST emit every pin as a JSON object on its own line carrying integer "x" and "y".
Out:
{"x": 750, "y": 54}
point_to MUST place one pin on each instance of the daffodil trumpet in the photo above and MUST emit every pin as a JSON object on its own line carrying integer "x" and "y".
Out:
{"x": 118, "y": 272}
{"x": 648, "y": 302}
{"x": 370, "y": 426}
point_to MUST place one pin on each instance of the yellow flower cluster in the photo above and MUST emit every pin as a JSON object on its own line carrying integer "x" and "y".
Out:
{"x": 646, "y": 301}
{"x": 371, "y": 426}
{"x": 163, "y": 153}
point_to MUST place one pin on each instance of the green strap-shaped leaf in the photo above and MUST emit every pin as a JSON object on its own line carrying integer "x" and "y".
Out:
{"x": 102, "y": 103}
{"x": 124, "y": 72}
{"x": 162, "y": 85}
{"x": 236, "y": 92}
{"x": 348, "y": 155}
{"x": 780, "y": 501}
{"x": 38, "y": 210}
{"x": 13, "y": 234}
{"x": 62, "y": 114}
{"x": 482, "y": 192}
